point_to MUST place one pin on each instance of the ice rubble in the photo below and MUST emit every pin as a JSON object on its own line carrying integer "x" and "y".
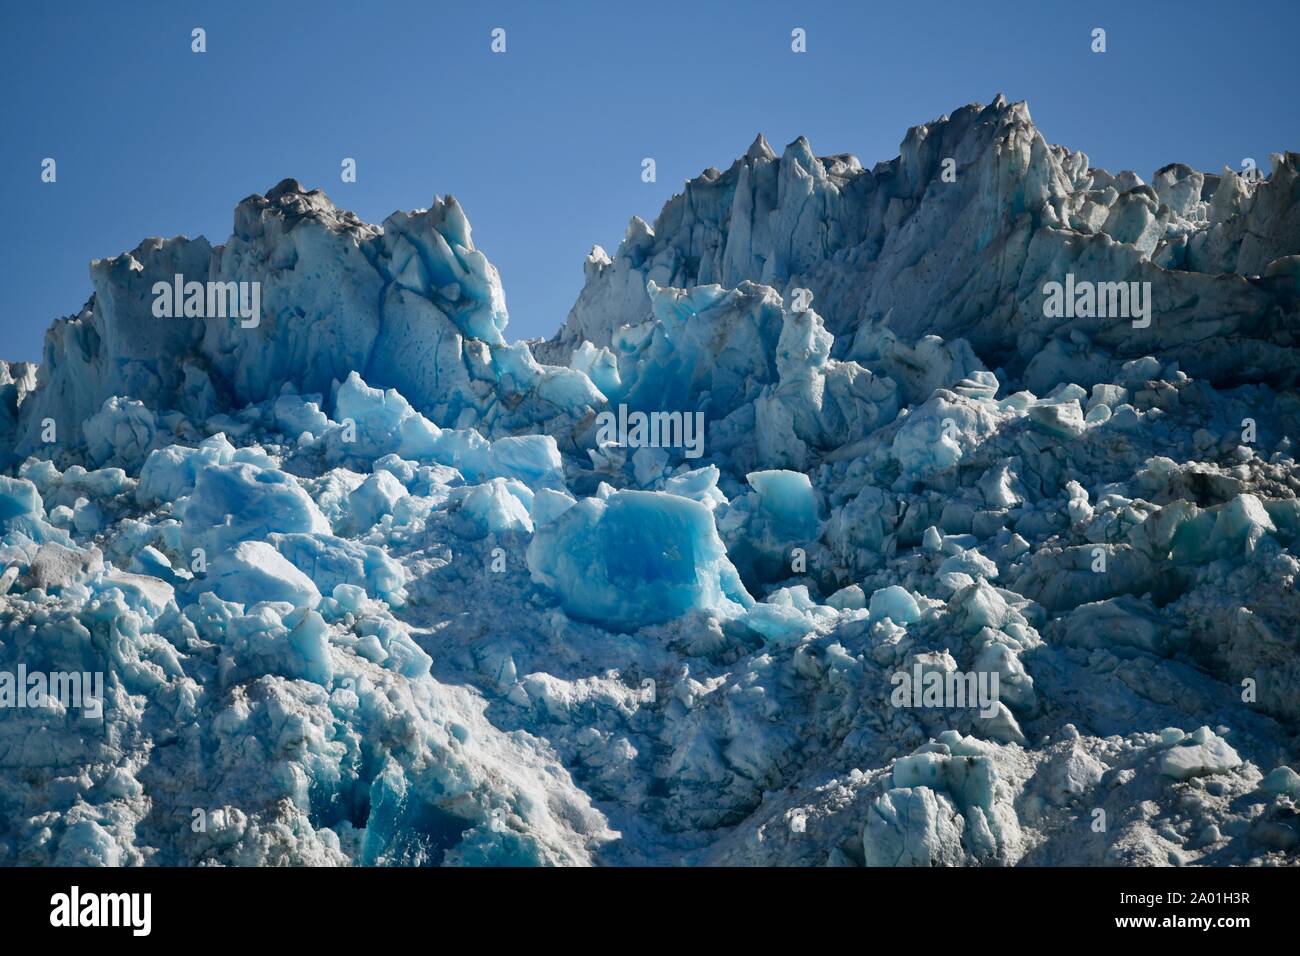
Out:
{"x": 366, "y": 586}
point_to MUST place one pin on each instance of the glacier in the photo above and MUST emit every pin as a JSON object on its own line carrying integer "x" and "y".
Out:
{"x": 369, "y": 584}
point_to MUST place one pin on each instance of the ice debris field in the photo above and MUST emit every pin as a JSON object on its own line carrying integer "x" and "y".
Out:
{"x": 853, "y": 517}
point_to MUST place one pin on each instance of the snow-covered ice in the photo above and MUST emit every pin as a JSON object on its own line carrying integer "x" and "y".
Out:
{"x": 368, "y": 583}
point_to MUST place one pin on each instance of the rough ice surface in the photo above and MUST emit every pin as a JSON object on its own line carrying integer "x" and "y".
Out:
{"x": 366, "y": 583}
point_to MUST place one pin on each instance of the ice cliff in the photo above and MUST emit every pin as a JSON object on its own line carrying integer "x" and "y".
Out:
{"x": 900, "y": 252}
{"x": 361, "y": 581}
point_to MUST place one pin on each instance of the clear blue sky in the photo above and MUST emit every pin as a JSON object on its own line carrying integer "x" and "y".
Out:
{"x": 543, "y": 145}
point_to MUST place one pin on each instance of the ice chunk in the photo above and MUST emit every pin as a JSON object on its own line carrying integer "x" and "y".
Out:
{"x": 254, "y": 571}
{"x": 913, "y": 826}
{"x": 548, "y": 505}
{"x": 376, "y": 413}
{"x": 55, "y": 566}
{"x": 848, "y": 598}
{"x": 700, "y": 485}
{"x": 170, "y": 473}
{"x": 138, "y": 591}
{"x": 122, "y": 431}
{"x": 934, "y": 437}
{"x": 636, "y": 558}
{"x": 1199, "y": 754}
{"x": 331, "y": 562}
{"x": 1061, "y": 419}
{"x": 533, "y": 459}
{"x": 895, "y": 603}
{"x": 787, "y": 615}
{"x": 19, "y": 498}
{"x": 295, "y": 414}
{"x": 1282, "y": 780}
{"x": 372, "y": 499}
{"x": 239, "y": 502}
{"x": 501, "y": 504}
{"x": 787, "y": 498}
